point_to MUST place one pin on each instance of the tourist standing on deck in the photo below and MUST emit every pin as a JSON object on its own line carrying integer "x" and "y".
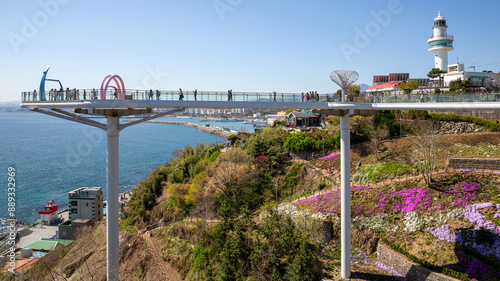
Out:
{"x": 302, "y": 96}
{"x": 274, "y": 96}
{"x": 229, "y": 97}
{"x": 157, "y": 94}
{"x": 150, "y": 94}
{"x": 84, "y": 94}
{"x": 34, "y": 94}
{"x": 195, "y": 94}
{"x": 307, "y": 96}
{"x": 181, "y": 95}
{"x": 115, "y": 94}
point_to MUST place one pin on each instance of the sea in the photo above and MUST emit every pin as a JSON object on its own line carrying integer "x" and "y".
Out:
{"x": 52, "y": 156}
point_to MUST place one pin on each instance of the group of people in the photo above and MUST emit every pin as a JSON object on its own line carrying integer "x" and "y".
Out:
{"x": 74, "y": 94}
{"x": 310, "y": 96}
{"x": 151, "y": 94}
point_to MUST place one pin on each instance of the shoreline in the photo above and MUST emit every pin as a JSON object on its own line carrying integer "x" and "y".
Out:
{"x": 214, "y": 130}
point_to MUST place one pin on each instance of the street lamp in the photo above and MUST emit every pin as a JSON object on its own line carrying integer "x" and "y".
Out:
{"x": 399, "y": 126}
{"x": 344, "y": 78}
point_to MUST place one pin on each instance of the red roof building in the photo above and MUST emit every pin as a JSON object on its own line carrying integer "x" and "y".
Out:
{"x": 49, "y": 214}
{"x": 382, "y": 87}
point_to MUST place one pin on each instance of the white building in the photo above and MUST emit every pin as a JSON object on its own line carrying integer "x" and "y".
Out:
{"x": 440, "y": 43}
{"x": 477, "y": 79}
{"x": 86, "y": 203}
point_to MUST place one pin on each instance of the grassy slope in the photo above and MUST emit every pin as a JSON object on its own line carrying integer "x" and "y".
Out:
{"x": 85, "y": 259}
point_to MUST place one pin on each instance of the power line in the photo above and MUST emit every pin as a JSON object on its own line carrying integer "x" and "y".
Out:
{"x": 488, "y": 64}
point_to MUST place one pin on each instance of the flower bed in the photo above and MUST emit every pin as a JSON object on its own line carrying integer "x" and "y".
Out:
{"x": 330, "y": 163}
{"x": 401, "y": 214}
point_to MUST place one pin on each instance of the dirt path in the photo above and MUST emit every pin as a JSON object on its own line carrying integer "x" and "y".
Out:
{"x": 170, "y": 273}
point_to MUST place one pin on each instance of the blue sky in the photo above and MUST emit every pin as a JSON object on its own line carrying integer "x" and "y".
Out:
{"x": 245, "y": 45}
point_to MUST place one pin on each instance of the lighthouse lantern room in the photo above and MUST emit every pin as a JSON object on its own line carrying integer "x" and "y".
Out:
{"x": 440, "y": 43}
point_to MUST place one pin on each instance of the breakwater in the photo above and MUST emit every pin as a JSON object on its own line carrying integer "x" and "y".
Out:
{"x": 214, "y": 130}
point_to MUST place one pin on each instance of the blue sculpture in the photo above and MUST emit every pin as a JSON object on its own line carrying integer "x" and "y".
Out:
{"x": 42, "y": 84}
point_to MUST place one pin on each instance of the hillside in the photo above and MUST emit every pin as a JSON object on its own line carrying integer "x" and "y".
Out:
{"x": 268, "y": 208}
{"x": 85, "y": 259}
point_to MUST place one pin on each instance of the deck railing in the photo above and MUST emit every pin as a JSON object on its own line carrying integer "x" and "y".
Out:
{"x": 89, "y": 94}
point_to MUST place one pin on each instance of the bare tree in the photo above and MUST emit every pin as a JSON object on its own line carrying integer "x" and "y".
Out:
{"x": 376, "y": 135}
{"x": 424, "y": 142}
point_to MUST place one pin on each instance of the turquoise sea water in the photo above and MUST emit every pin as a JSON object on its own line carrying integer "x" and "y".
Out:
{"x": 53, "y": 156}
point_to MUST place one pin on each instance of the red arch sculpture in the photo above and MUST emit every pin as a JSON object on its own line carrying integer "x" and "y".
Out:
{"x": 120, "y": 86}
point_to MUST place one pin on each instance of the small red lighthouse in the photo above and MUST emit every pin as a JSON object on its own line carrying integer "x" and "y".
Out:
{"x": 49, "y": 214}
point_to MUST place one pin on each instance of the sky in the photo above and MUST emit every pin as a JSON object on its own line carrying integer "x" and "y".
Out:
{"x": 245, "y": 45}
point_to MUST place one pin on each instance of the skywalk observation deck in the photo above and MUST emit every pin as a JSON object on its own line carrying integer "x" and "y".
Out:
{"x": 85, "y": 102}
{"x": 141, "y": 95}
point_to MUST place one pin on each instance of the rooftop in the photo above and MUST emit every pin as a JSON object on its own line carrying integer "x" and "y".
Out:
{"x": 47, "y": 244}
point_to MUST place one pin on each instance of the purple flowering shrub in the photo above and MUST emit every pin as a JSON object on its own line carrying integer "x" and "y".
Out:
{"x": 497, "y": 214}
{"x": 328, "y": 203}
{"x": 389, "y": 269}
{"x": 443, "y": 233}
{"x": 329, "y": 163}
{"x": 361, "y": 257}
{"x": 485, "y": 237}
{"x": 464, "y": 193}
{"x": 474, "y": 268}
{"x": 471, "y": 213}
{"x": 262, "y": 159}
{"x": 404, "y": 201}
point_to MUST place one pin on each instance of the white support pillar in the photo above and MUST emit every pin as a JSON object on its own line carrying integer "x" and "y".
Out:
{"x": 345, "y": 196}
{"x": 112, "y": 198}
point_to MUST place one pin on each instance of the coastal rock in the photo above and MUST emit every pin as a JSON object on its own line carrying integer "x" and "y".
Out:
{"x": 211, "y": 130}
{"x": 458, "y": 127}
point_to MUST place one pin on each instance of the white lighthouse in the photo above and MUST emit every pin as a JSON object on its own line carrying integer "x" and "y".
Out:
{"x": 440, "y": 43}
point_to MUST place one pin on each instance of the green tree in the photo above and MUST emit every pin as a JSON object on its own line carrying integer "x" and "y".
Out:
{"x": 437, "y": 91}
{"x": 300, "y": 141}
{"x": 409, "y": 86}
{"x": 460, "y": 85}
{"x": 339, "y": 92}
{"x": 387, "y": 118}
{"x": 436, "y": 73}
{"x": 353, "y": 89}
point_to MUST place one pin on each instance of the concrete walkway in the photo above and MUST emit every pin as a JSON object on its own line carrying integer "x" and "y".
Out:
{"x": 29, "y": 235}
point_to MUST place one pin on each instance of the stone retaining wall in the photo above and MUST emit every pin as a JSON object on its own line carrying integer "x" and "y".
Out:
{"x": 486, "y": 114}
{"x": 408, "y": 269}
{"x": 474, "y": 164}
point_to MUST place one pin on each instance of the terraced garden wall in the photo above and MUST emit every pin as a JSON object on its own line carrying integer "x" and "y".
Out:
{"x": 474, "y": 164}
{"x": 405, "y": 268}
